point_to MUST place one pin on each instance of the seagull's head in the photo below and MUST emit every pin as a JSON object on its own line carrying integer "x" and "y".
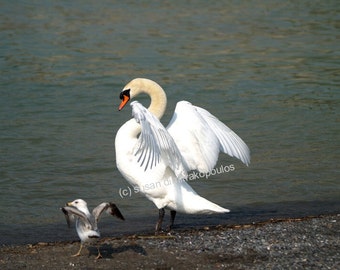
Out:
{"x": 78, "y": 203}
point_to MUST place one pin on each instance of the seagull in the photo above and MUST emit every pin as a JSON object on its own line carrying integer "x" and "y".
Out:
{"x": 86, "y": 223}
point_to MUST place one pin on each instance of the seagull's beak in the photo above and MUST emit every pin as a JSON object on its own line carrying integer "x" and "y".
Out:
{"x": 69, "y": 204}
{"x": 125, "y": 100}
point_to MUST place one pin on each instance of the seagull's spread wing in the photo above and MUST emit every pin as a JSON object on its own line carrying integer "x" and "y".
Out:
{"x": 110, "y": 208}
{"x": 70, "y": 212}
{"x": 155, "y": 144}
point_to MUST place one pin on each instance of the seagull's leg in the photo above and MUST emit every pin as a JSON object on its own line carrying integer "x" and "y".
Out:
{"x": 172, "y": 218}
{"x": 161, "y": 213}
{"x": 99, "y": 254}
{"x": 78, "y": 253}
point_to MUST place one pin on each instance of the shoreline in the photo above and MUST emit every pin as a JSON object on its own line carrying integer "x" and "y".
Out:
{"x": 20, "y": 234}
{"x": 311, "y": 242}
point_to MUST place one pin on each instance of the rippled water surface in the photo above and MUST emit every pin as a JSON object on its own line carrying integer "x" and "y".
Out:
{"x": 268, "y": 69}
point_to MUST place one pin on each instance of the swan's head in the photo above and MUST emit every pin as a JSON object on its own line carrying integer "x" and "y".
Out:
{"x": 125, "y": 97}
{"x": 78, "y": 203}
{"x": 132, "y": 89}
{"x": 149, "y": 87}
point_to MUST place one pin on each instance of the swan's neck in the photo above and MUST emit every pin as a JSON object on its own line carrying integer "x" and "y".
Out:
{"x": 157, "y": 95}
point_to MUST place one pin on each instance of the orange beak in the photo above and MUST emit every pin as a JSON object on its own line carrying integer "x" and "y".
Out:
{"x": 124, "y": 101}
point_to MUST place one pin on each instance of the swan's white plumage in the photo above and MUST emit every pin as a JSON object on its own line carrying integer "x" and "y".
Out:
{"x": 156, "y": 159}
{"x": 200, "y": 136}
{"x": 155, "y": 144}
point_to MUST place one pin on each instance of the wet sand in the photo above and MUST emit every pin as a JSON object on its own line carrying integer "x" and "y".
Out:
{"x": 299, "y": 243}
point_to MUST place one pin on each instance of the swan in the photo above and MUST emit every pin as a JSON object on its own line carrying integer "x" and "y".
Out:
{"x": 156, "y": 160}
{"x": 86, "y": 223}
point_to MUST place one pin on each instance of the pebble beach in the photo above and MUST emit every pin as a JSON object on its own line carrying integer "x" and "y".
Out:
{"x": 298, "y": 243}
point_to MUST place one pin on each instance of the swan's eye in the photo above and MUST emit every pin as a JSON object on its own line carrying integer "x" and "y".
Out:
{"x": 125, "y": 93}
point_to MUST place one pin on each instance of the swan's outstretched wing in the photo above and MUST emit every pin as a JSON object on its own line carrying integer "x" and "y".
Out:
{"x": 155, "y": 144}
{"x": 70, "y": 212}
{"x": 200, "y": 137}
{"x": 110, "y": 208}
{"x": 230, "y": 142}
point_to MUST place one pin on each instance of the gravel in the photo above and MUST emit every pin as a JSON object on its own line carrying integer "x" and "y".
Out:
{"x": 299, "y": 243}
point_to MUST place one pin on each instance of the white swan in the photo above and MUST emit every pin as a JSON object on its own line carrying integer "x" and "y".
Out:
{"x": 156, "y": 160}
{"x": 86, "y": 223}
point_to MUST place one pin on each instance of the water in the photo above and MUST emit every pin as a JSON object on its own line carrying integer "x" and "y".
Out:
{"x": 268, "y": 69}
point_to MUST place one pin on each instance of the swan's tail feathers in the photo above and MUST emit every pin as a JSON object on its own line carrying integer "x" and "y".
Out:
{"x": 210, "y": 208}
{"x": 198, "y": 205}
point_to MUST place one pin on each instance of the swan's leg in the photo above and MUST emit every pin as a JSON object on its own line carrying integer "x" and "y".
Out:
{"x": 78, "y": 253}
{"x": 161, "y": 213}
{"x": 172, "y": 218}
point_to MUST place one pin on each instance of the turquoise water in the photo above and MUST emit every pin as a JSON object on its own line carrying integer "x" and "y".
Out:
{"x": 268, "y": 69}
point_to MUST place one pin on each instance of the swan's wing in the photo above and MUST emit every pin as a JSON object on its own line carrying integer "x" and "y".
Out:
{"x": 155, "y": 144}
{"x": 200, "y": 136}
{"x": 230, "y": 142}
{"x": 71, "y": 212}
{"x": 110, "y": 208}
